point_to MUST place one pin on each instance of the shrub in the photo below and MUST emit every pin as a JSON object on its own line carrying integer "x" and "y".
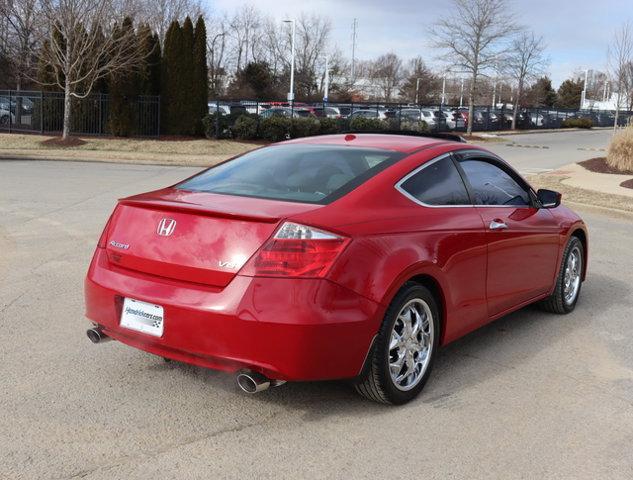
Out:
{"x": 577, "y": 123}
{"x": 414, "y": 126}
{"x": 361, "y": 124}
{"x": 304, "y": 127}
{"x": 620, "y": 153}
{"x": 275, "y": 128}
{"x": 208, "y": 122}
{"x": 245, "y": 127}
{"x": 328, "y": 126}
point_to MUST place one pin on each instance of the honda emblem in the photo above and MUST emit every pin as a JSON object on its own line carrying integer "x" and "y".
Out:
{"x": 166, "y": 227}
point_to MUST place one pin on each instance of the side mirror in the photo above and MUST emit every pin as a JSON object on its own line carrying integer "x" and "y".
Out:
{"x": 548, "y": 198}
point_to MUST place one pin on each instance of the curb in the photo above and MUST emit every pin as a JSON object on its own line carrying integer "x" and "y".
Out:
{"x": 526, "y": 146}
{"x": 98, "y": 160}
{"x": 503, "y": 133}
{"x": 599, "y": 207}
{"x": 589, "y": 149}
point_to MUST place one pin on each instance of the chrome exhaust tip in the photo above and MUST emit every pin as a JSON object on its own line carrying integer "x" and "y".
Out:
{"x": 96, "y": 335}
{"x": 252, "y": 382}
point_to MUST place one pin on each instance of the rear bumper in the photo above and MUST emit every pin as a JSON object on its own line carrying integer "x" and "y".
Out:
{"x": 287, "y": 329}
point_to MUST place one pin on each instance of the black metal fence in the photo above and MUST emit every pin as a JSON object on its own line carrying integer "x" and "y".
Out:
{"x": 408, "y": 116}
{"x": 43, "y": 112}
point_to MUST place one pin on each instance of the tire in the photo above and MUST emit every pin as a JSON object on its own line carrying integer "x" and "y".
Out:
{"x": 376, "y": 382}
{"x": 558, "y": 302}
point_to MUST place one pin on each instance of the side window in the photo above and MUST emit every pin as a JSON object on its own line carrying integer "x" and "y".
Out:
{"x": 437, "y": 184}
{"x": 493, "y": 186}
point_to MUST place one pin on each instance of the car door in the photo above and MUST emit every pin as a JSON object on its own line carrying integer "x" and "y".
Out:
{"x": 523, "y": 240}
{"x": 452, "y": 230}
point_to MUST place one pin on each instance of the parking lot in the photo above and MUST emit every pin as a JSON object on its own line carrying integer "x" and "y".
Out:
{"x": 532, "y": 395}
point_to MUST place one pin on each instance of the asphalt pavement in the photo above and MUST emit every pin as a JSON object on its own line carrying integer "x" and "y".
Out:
{"x": 541, "y": 152}
{"x": 532, "y": 395}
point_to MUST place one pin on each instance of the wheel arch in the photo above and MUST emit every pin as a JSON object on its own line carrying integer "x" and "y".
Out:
{"x": 581, "y": 235}
{"x": 434, "y": 285}
{"x": 435, "y": 288}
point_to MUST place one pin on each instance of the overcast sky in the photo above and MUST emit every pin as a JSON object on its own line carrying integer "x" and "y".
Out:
{"x": 577, "y": 32}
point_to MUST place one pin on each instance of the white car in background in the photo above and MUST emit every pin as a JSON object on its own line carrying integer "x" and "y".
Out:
{"x": 224, "y": 109}
{"x": 6, "y": 118}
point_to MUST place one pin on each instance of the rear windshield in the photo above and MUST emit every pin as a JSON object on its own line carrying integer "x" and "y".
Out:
{"x": 297, "y": 173}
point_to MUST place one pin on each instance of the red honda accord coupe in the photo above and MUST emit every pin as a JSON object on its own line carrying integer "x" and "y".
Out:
{"x": 332, "y": 257}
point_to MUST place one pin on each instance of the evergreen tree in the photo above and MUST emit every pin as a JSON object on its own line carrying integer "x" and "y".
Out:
{"x": 421, "y": 84}
{"x": 254, "y": 81}
{"x": 541, "y": 94}
{"x": 569, "y": 94}
{"x": 200, "y": 75}
{"x": 123, "y": 87}
{"x": 149, "y": 71}
{"x": 154, "y": 66}
{"x": 171, "y": 112}
{"x": 186, "y": 93}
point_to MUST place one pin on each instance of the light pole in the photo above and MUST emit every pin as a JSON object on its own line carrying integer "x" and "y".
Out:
{"x": 291, "y": 93}
{"x": 443, "y": 99}
{"x": 417, "y": 89}
{"x": 213, "y": 73}
{"x": 583, "y": 94}
{"x": 326, "y": 88}
{"x": 461, "y": 95}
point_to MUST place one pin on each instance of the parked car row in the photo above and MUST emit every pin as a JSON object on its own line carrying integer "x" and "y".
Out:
{"x": 11, "y": 104}
{"x": 436, "y": 118}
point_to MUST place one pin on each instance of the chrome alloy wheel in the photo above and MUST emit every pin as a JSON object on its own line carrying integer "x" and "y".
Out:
{"x": 571, "y": 279}
{"x": 411, "y": 343}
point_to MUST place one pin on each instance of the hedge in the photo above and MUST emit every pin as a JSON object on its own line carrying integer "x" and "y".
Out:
{"x": 246, "y": 126}
{"x": 577, "y": 123}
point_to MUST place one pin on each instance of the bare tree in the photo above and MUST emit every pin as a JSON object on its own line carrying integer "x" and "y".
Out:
{"x": 387, "y": 72}
{"x": 620, "y": 57}
{"x": 473, "y": 38}
{"x": 628, "y": 84}
{"x": 159, "y": 14}
{"x": 23, "y": 23}
{"x": 81, "y": 51}
{"x": 216, "y": 53}
{"x": 525, "y": 61}
{"x": 245, "y": 31}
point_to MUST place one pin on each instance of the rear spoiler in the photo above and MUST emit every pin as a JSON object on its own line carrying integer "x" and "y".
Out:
{"x": 211, "y": 211}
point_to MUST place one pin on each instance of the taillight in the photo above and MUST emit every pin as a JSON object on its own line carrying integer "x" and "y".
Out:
{"x": 296, "y": 251}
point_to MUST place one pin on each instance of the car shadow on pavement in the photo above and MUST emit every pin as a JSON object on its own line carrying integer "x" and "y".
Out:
{"x": 507, "y": 343}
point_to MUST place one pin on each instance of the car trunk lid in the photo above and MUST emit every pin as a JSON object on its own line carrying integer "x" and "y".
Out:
{"x": 192, "y": 236}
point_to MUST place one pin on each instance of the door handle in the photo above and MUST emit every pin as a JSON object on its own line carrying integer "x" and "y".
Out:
{"x": 498, "y": 224}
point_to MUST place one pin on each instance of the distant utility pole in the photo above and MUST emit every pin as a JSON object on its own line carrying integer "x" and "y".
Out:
{"x": 291, "y": 93}
{"x": 354, "y": 24}
{"x": 583, "y": 94}
{"x": 417, "y": 90}
{"x": 327, "y": 80}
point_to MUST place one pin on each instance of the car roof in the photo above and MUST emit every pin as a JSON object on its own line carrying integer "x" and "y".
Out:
{"x": 398, "y": 143}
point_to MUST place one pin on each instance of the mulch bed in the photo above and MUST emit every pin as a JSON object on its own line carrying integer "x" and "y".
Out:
{"x": 627, "y": 183}
{"x": 60, "y": 142}
{"x": 600, "y": 165}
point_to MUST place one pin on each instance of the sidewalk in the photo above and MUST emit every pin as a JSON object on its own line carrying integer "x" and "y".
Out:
{"x": 579, "y": 177}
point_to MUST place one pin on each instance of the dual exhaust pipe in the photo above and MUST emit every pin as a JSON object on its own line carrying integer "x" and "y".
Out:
{"x": 254, "y": 382}
{"x": 96, "y": 335}
{"x": 248, "y": 381}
